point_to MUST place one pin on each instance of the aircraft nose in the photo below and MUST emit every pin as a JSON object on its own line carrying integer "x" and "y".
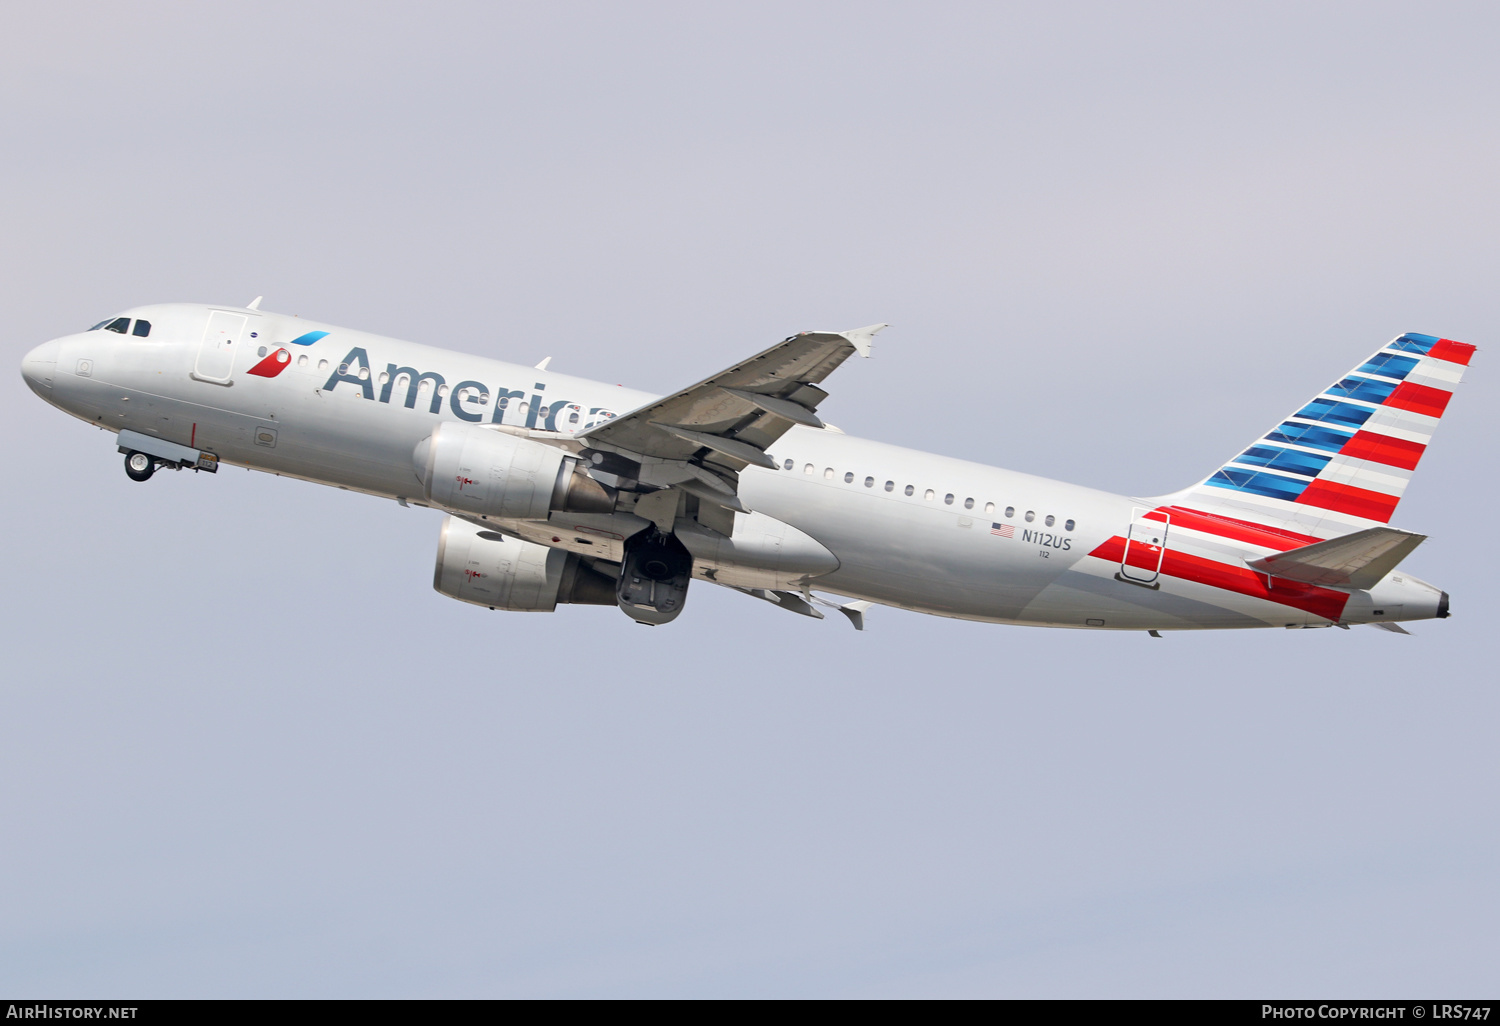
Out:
{"x": 38, "y": 367}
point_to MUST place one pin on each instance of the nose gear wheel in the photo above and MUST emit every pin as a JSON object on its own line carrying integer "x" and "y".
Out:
{"x": 139, "y": 466}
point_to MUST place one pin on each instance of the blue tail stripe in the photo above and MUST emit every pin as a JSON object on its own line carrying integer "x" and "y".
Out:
{"x": 1363, "y": 389}
{"x": 1414, "y": 343}
{"x": 1268, "y": 485}
{"x": 1335, "y": 411}
{"x": 1328, "y": 439}
{"x": 1389, "y": 365}
{"x": 1289, "y": 460}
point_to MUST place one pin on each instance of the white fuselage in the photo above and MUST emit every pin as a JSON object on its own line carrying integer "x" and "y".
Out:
{"x": 908, "y": 529}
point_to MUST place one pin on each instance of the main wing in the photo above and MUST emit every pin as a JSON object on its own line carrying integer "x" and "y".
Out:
{"x": 699, "y": 439}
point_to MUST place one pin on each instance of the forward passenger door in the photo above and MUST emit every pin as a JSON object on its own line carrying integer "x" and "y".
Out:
{"x": 222, "y": 338}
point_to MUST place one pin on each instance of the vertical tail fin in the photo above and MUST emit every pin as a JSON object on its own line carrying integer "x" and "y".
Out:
{"x": 1341, "y": 463}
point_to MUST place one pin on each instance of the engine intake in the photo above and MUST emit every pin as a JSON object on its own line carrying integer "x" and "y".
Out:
{"x": 494, "y": 474}
{"x": 488, "y": 569}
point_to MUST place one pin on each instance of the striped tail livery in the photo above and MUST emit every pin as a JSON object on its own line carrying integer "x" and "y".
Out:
{"x": 1342, "y": 462}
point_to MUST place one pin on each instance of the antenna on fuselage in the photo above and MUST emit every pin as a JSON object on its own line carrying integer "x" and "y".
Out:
{"x": 254, "y": 304}
{"x": 543, "y": 364}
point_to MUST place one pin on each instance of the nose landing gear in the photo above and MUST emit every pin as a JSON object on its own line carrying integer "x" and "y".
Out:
{"x": 139, "y": 466}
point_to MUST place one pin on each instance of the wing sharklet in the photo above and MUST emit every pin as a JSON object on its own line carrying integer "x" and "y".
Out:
{"x": 862, "y": 338}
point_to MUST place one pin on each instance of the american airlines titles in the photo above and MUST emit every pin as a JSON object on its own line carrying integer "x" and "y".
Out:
{"x": 464, "y": 398}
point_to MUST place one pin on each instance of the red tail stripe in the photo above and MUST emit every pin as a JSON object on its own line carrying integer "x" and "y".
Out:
{"x": 1453, "y": 352}
{"x": 1342, "y": 498}
{"x": 1241, "y": 580}
{"x": 1417, "y": 398}
{"x": 1393, "y": 452}
{"x": 1239, "y": 530}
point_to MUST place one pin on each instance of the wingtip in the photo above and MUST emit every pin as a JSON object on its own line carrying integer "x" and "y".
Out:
{"x": 861, "y": 338}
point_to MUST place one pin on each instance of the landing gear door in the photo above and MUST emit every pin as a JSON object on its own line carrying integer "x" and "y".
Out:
{"x": 224, "y": 335}
{"x": 1145, "y": 546}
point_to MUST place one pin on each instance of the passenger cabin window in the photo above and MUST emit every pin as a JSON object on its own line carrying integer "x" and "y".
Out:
{"x": 785, "y": 466}
{"x": 910, "y": 489}
{"x": 849, "y": 477}
{"x": 929, "y": 495}
{"x": 808, "y": 469}
{"x": 1030, "y": 515}
{"x": 1050, "y": 520}
{"x": 968, "y": 504}
{"x": 1069, "y": 526}
{"x": 869, "y": 482}
{"x": 119, "y": 324}
{"x": 989, "y": 507}
{"x": 948, "y": 499}
{"x": 1010, "y": 511}
{"x": 142, "y": 329}
{"x": 828, "y": 473}
{"x": 890, "y": 486}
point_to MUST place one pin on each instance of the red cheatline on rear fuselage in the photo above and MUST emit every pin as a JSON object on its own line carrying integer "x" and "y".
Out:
{"x": 1241, "y": 580}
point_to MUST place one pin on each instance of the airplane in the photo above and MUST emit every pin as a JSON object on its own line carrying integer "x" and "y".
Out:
{"x": 558, "y": 490}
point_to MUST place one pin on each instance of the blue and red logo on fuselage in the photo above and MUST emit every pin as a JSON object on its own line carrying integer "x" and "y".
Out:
{"x": 278, "y": 361}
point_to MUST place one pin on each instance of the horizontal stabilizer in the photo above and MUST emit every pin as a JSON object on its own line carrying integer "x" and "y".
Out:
{"x": 1359, "y": 560}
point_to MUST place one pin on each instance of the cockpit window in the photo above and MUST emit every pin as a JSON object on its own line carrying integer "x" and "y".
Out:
{"x": 101, "y": 324}
{"x": 142, "y": 329}
{"x": 120, "y": 324}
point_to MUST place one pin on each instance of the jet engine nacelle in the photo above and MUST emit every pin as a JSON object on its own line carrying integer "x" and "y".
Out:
{"x": 489, "y": 569}
{"x": 494, "y": 474}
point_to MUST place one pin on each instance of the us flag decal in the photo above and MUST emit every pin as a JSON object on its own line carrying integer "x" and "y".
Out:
{"x": 1003, "y": 530}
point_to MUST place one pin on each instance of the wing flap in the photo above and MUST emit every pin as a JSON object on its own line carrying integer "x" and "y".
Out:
{"x": 738, "y": 413}
{"x": 1357, "y": 560}
{"x": 783, "y": 408}
{"x": 731, "y": 447}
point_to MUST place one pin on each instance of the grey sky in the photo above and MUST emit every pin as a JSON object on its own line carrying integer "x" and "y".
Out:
{"x": 249, "y": 751}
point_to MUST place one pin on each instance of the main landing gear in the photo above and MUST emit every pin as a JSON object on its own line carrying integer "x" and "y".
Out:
{"x": 654, "y": 578}
{"x": 139, "y": 466}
